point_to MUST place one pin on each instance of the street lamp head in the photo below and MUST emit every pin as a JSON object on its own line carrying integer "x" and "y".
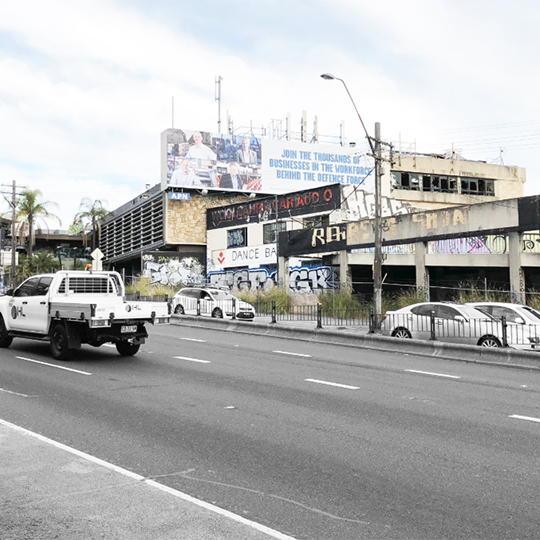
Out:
{"x": 328, "y": 76}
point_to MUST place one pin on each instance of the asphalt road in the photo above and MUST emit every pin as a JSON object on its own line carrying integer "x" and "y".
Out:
{"x": 317, "y": 441}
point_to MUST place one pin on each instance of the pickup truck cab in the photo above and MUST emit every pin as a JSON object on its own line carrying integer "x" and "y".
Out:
{"x": 70, "y": 308}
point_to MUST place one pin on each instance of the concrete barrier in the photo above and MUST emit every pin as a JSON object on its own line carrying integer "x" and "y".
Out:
{"x": 359, "y": 338}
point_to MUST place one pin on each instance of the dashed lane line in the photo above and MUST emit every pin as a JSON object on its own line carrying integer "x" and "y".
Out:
{"x": 53, "y": 365}
{"x": 529, "y": 418}
{"x": 193, "y": 339}
{"x": 193, "y": 359}
{"x": 293, "y": 353}
{"x": 433, "y": 374}
{"x": 339, "y": 385}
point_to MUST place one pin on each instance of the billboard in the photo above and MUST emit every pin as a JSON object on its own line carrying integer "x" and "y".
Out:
{"x": 244, "y": 163}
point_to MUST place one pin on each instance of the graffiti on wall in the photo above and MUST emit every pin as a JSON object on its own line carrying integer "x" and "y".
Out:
{"x": 301, "y": 279}
{"x": 360, "y": 204}
{"x": 165, "y": 270}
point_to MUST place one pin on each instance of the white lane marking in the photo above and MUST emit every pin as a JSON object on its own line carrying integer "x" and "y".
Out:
{"x": 193, "y": 339}
{"x": 14, "y": 393}
{"x": 53, "y": 365}
{"x": 293, "y": 353}
{"x": 529, "y": 418}
{"x": 434, "y": 374}
{"x": 333, "y": 384}
{"x": 179, "y": 494}
{"x": 193, "y": 359}
{"x": 109, "y": 345}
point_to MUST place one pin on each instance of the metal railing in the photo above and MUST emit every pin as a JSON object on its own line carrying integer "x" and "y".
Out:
{"x": 138, "y": 298}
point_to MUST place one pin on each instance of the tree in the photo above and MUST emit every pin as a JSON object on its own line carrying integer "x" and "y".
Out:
{"x": 93, "y": 212}
{"x": 31, "y": 210}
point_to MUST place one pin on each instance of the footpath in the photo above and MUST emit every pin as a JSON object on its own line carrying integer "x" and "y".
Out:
{"x": 51, "y": 491}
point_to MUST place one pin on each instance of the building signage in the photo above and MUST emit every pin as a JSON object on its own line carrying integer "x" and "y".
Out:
{"x": 310, "y": 241}
{"x": 179, "y": 196}
{"x": 314, "y": 201}
{"x": 252, "y": 256}
{"x": 244, "y": 163}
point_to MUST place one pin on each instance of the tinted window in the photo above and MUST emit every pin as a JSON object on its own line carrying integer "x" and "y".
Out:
{"x": 43, "y": 286}
{"x": 446, "y": 312}
{"x": 27, "y": 288}
{"x": 423, "y": 310}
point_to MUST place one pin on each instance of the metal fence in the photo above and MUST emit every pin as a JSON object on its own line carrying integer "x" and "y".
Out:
{"x": 138, "y": 298}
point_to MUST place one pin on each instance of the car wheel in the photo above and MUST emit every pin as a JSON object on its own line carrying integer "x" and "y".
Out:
{"x": 5, "y": 339}
{"x": 401, "y": 333}
{"x": 489, "y": 341}
{"x": 125, "y": 348}
{"x": 59, "y": 343}
{"x": 179, "y": 310}
{"x": 217, "y": 313}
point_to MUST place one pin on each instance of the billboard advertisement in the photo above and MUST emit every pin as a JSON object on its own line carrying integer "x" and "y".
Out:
{"x": 244, "y": 163}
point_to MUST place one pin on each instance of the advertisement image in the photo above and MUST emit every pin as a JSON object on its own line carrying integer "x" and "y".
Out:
{"x": 205, "y": 160}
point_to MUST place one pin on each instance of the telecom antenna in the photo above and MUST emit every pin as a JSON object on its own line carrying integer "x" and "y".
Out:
{"x": 218, "y": 99}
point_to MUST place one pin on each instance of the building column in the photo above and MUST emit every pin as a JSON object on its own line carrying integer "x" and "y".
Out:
{"x": 283, "y": 272}
{"x": 344, "y": 271}
{"x": 422, "y": 275}
{"x": 517, "y": 277}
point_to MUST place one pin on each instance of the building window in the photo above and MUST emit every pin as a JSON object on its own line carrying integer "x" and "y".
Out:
{"x": 237, "y": 238}
{"x": 405, "y": 180}
{"x": 478, "y": 186}
{"x": 316, "y": 222}
{"x": 269, "y": 231}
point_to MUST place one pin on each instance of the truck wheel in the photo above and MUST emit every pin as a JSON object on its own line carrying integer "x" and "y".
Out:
{"x": 59, "y": 343}
{"x": 5, "y": 339}
{"x": 125, "y": 348}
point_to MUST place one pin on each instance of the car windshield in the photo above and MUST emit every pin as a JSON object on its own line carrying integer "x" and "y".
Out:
{"x": 532, "y": 312}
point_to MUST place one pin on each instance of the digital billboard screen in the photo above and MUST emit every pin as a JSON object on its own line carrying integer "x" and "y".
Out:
{"x": 244, "y": 163}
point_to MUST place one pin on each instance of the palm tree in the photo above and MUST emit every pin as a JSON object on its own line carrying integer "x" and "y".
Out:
{"x": 31, "y": 210}
{"x": 94, "y": 212}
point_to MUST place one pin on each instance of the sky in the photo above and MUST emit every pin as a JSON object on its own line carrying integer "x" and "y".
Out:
{"x": 87, "y": 87}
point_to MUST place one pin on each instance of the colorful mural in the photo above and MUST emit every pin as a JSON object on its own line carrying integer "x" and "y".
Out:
{"x": 165, "y": 270}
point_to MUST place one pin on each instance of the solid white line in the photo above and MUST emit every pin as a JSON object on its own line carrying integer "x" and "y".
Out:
{"x": 530, "y": 418}
{"x": 193, "y": 359}
{"x": 434, "y": 374}
{"x": 179, "y": 494}
{"x": 193, "y": 339}
{"x": 14, "y": 393}
{"x": 53, "y": 365}
{"x": 333, "y": 384}
{"x": 293, "y": 353}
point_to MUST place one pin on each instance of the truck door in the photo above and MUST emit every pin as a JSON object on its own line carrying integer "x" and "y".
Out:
{"x": 19, "y": 306}
{"x": 37, "y": 309}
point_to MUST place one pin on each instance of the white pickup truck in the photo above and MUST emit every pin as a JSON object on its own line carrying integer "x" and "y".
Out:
{"x": 70, "y": 308}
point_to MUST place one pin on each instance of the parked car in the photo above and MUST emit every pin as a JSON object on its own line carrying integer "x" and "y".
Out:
{"x": 522, "y": 322}
{"x": 453, "y": 323}
{"x": 211, "y": 301}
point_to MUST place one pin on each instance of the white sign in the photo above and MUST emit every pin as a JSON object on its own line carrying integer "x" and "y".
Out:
{"x": 251, "y": 256}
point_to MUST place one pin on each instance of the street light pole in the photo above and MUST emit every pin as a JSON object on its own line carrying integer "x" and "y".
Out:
{"x": 377, "y": 255}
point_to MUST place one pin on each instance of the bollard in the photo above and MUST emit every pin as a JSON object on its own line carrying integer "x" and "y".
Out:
{"x": 319, "y": 315}
{"x": 198, "y": 307}
{"x": 233, "y": 309}
{"x": 432, "y": 325}
{"x": 504, "y": 332}
{"x": 371, "y": 325}
{"x": 273, "y": 311}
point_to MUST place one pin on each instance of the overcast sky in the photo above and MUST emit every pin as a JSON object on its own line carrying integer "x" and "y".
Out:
{"x": 86, "y": 87}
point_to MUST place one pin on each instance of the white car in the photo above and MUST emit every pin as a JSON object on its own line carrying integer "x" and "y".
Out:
{"x": 453, "y": 323}
{"x": 522, "y": 322}
{"x": 211, "y": 301}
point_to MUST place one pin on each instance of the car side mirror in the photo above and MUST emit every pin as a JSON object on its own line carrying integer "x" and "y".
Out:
{"x": 9, "y": 292}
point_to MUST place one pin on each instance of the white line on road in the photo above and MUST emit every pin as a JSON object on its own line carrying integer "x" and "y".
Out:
{"x": 434, "y": 374}
{"x": 14, "y": 393}
{"x": 179, "y": 494}
{"x": 529, "y": 418}
{"x": 53, "y": 365}
{"x": 109, "y": 345}
{"x": 193, "y": 359}
{"x": 293, "y": 353}
{"x": 333, "y": 384}
{"x": 193, "y": 339}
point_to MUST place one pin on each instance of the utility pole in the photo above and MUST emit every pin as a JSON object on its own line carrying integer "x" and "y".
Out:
{"x": 13, "y": 204}
{"x": 218, "y": 99}
{"x": 377, "y": 252}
